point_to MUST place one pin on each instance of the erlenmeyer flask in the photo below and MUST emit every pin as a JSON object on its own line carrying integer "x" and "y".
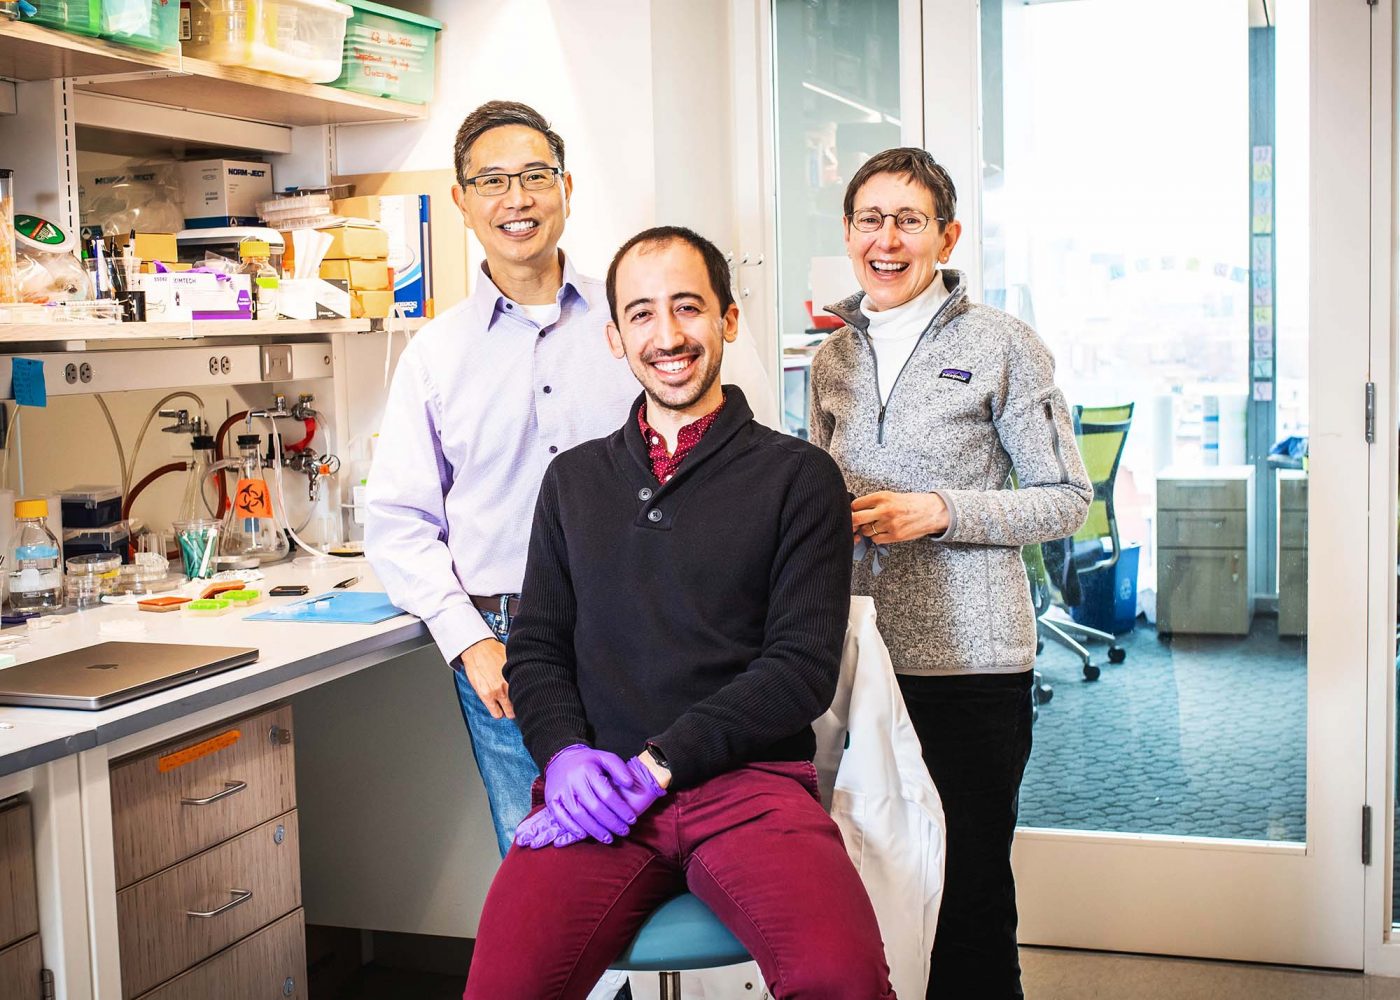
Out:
{"x": 250, "y": 530}
{"x": 192, "y": 501}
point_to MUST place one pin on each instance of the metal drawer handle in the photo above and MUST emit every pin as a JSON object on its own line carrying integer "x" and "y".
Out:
{"x": 230, "y": 788}
{"x": 239, "y": 896}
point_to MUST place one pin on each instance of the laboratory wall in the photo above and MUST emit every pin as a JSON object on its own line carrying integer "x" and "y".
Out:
{"x": 597, "y": 94}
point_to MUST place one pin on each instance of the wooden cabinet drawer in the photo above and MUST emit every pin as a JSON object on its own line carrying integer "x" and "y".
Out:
{"x": 1202, "y": 494}
{"x": 1203, "y": 591}
{"x": 1202, "y": 529}
{"x": 269, "y": 965}
{"x": 1293, "y": 592}
{"x": 175, "y": 801}
{"x": 1293, "y": 529}
{"x": 19, "y": 898}
{"x": 238, "y": 886}
{"x": 20, "y": 967}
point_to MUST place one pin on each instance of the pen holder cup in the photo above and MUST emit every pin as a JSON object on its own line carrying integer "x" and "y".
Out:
{"x": 199, "y": 542}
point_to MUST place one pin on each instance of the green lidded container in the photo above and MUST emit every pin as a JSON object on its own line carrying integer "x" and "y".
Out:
{"x": 78, "y": 17}
{"x": 147, "y": 24}
{"x": 389, "y": 53}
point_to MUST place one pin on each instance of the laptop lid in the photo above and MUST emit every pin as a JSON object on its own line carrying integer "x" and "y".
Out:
{"x": 110, "y": 673}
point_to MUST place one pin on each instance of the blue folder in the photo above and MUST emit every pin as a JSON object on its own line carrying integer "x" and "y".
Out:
{"x": 343, "y": 607}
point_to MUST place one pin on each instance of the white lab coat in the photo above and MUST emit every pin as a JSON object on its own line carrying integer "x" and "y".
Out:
{"x": 881, "y": 796}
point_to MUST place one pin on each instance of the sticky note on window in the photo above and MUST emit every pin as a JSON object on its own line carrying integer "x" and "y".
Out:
{"x": 27, "y": 382}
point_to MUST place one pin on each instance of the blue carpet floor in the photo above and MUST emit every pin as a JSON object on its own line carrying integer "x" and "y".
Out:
{"x": 1197, "y": 736}
{"x": 1200, "y": 736}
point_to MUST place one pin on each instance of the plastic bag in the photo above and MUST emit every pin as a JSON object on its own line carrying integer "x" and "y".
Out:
{"x": 144, "y": 198}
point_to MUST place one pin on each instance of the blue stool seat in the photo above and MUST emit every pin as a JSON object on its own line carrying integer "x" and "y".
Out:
{"x": 681, "y": 934}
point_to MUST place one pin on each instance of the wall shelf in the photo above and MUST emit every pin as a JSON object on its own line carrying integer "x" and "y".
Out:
{"x": 29, "y": 52}
{"x": 112, "y": 334}
{"x": 250, "y": 94}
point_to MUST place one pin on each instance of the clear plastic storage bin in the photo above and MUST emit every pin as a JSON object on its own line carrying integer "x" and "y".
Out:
{"x": 79, "y": 17}
{"x": 298, "y": 38}
{"x": 146, "y": 24}
{"x": 389, "y": 53}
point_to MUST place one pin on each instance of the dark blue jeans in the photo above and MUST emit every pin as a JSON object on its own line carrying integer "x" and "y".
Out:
{"x": 976, "y": 736}
{"x": 507, "y": 770}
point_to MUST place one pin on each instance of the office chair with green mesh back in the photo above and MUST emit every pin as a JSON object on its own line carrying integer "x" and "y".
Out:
{"x": 1101, "y": 432}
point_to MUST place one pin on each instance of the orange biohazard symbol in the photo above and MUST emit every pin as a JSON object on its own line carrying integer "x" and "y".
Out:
{"x": 251, "y": 498}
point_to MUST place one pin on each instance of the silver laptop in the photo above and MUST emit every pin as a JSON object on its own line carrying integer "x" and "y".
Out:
{"x": 110, "y": 673}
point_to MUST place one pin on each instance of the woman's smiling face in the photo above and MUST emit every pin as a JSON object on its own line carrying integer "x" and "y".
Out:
{"x": 891, "y": 265}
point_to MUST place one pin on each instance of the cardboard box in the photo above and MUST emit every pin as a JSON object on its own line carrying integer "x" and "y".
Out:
{"x": 357, "y": 243}
{"x": 182, "y": 296}
{"x": 361, "y": 275}
{"x": 405, "y": 216}
{"x": 371, "y": 305}
{"x": 224, "y": 192}
{"x": 149, "y": 266}
{"x": 152, "y": 246}
{"x": 365, "y": 207}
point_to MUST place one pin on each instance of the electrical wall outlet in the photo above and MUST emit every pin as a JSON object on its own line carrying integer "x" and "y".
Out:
{"x": 277, "y": 362}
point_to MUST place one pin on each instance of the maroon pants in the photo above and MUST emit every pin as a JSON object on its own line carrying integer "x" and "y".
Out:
{"x": 753, "y": 844}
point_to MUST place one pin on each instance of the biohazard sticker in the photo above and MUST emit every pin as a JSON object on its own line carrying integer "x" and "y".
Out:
{"x": 252, "y": 498}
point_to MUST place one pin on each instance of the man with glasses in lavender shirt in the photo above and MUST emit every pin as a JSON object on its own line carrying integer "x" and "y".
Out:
{"x": 482, "y": 399}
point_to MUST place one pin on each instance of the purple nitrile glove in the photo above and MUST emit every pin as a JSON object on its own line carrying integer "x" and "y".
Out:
{"x": 540, "y": 830}
{"x": 581, "y": 793}
{"x": 644, "y": 789}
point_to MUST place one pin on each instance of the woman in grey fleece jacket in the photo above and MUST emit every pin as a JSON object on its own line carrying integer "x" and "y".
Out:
{"x": 929, "y": 402}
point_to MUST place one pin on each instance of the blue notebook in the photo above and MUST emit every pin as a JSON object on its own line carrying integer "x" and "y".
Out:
{"x": 343, "y": 607}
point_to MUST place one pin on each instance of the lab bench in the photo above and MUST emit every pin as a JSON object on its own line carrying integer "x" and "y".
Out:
{"x": 179, "y": 843}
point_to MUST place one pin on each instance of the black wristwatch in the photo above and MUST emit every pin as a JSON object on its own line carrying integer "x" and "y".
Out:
{"x": 658, "y": 756}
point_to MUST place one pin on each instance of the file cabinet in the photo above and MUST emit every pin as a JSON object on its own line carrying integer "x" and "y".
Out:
{"x": 207, "y": 863}
{"x": 1205, "y": 519}
{"x": 1292, "y": 553}
{"x": 21, "y": 960}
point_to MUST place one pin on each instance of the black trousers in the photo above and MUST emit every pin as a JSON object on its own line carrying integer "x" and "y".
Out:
{"x": 976, "y": 736}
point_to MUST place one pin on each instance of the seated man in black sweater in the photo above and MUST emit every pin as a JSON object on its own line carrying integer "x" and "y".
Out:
{"x": 681, "y": 625}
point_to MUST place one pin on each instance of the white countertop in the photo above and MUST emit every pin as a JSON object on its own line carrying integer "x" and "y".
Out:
{"x": 32, "y": 736}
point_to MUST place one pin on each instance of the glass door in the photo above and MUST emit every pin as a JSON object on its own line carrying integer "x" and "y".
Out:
{"x": 1164, "y": 193}
{"x": 1383, "y": 882}
{"x": 846, "y": 84}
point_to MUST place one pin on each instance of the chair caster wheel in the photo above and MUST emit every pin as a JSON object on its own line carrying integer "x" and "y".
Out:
{"x": 1117, "y": 654}
{"x": 1091, "y": 673}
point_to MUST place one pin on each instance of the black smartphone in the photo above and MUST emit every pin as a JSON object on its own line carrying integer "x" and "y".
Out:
{"x": 290, "y": 590}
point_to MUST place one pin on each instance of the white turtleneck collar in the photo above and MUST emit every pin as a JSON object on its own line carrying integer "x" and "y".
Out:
{"x": 894, "y": 333}
{"x": 910, "y": 318}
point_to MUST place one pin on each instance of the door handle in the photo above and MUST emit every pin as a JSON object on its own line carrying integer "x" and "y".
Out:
{"x": 240, "y": 896}
{"x": 230, "y": 788}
